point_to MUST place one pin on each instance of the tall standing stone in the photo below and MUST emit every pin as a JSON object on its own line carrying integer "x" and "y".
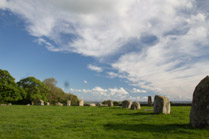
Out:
{"x": 126, "y": 104}
{"x": 80, "y": 102}
{"x": 199, "y": 115}
{"x": 135, "y": 105}
{"x": 110, "y": 103}
{"x": 161, "y": 105}
{"x": 68, "y": 103}
{"x": 40, "y": 102}
{"x": 149, "y": 103}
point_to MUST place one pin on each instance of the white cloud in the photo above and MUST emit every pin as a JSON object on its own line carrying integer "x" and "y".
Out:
{"x": 85, "y": 82}
{"x": 100, "y": 27}
{"x": 172, "y": 64}
{"x": 95, "y": 68}
{"x": 99, "y": 92}
{"x": 2, "y": 4}
{"x": 134, "y": 90}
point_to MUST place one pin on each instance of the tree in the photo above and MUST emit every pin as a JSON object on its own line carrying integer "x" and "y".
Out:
{"x": 56, "y": 94}
{"x": 72, "y": 98}
{"x": 35, "y": 89}
{"x": 9, "y": 91}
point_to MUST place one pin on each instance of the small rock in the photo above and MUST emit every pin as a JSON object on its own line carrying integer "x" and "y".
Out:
{"x": 126, "y": 104}
{"x": 59, "y": 104}
{"x": 110, "y": 103}
{"x": 40, "y": 103}
{"x": 92, "y": 104}
{"x": 135, "y": 106}
{"x": 9, "y": 104}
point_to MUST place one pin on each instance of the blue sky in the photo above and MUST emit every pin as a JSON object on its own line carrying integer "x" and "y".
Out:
{"x": 113, "y": 49}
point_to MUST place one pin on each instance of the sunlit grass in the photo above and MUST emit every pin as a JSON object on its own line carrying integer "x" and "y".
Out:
{"x": 94, "y": 122}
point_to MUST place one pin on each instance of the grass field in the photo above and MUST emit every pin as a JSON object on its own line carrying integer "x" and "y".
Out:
{"x": 95, "y": 122}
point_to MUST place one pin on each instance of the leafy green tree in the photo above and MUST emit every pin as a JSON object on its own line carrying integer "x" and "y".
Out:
{"x": 72, "y": 98}
{"x": 9, "y": 91}
{"x": 35, "y": 89}
{"x": 56, "y": 94}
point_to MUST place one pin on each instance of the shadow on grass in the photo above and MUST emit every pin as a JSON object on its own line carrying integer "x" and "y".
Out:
{"x": 148, "y": 127}
{"x": 138, "y": 113}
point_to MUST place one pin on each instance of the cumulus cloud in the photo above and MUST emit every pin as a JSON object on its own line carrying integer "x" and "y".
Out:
{"x": 85, "y": 82}
{"x": 158, "y": 45}
{"x": 100, "y": 93}
{"x": 95, "y": 68}
{"x": 134, "y": 90}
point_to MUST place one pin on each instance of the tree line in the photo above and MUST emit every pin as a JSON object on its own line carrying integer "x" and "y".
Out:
{"x": 30, "y": 90}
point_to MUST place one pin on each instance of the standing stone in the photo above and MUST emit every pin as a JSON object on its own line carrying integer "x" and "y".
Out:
{"x": 59, "y": 104}
{"x": 135, "y": 106}
{"x": 92, "y": 104}
{"x": 80, "y": 102}
{"x": 149, "y": 101}
{"x": 126, "y": 104}
{"x": 68, "y": 103}
{"x": 3, "y": 104}
{"x": 199, "y": 115}
{"x": 110, "y": 103}
{"x": 47, "y": 103}
{"x": 99, "y": 104}
{"x": 40, "y": 102}
{"x": 9, "y": 104}
{"x": 161, "y": 105}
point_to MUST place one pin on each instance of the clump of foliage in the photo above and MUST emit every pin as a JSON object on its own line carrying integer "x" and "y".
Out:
{"x": 9, "y": 91}
{"x": 31, "y": 90}
{"x": 56, "y": 94}
{"x": 35, "y": 89}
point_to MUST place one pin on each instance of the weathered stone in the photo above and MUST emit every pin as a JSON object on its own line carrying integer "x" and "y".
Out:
{"x": 99, "y": 104}
{"x": 3, "y": 104}
{"x": 80, "y": 102}
{"x": 47, "y": 103}
{"x": 126, "y": 104}
{"x": 40, "y": 102}
{"x": 199, "y": 115}
{"x": 68, "y": 103}
{"x": 149, "y": 103}
{"x": 105, "y": 105}
{"x": 92, "y": 104}
{"x": 110, "y": 103}
{"x": 135, "y": 106}
{"x": 161, "y": 105}
{"x": 59, "y": 104}
{"x": 9, "y": 104}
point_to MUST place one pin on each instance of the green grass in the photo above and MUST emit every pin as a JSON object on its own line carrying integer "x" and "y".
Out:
{"x": 95, "y": 122}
